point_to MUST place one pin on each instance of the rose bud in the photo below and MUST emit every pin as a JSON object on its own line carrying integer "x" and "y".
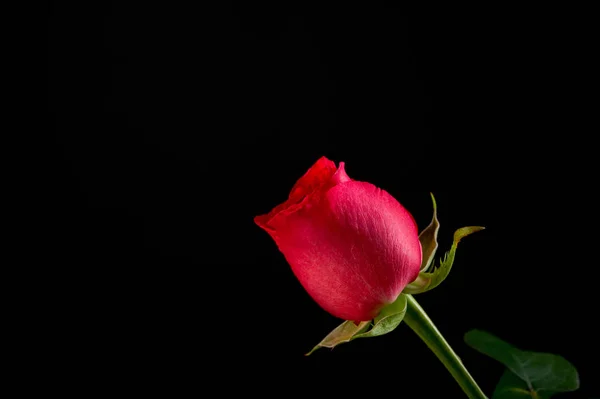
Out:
{"x": 351, "y": 245}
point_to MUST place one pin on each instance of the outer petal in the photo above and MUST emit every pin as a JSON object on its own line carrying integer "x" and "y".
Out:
{"x": 311, "y": 184}
{"x": 353, "y": 251}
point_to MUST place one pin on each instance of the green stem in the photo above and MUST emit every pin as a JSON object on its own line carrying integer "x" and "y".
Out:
{"x": 421, "y": 324}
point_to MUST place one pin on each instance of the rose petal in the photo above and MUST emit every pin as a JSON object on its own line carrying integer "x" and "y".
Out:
{"x": 353, "y": 252}
{"x": 318, "y": 176}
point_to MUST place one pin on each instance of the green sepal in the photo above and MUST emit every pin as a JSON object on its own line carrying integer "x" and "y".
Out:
{"x": 429, "y": 280}
{"x": 428, "y": 239}
{"x": 539, "y": 375}
{"x": 388, "y": 319}
{"x": 342, "y": 333}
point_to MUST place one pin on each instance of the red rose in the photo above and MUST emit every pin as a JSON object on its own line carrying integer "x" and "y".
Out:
{"x": 351, "y": 245}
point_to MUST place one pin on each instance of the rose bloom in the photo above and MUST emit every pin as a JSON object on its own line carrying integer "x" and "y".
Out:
{"x": 351, "y": 245}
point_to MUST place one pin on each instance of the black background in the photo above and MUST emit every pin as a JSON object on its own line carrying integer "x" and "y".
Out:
{"x": 176, "y": 125}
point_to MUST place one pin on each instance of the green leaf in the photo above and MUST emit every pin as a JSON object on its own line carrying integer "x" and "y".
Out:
{"x": 388, "y": 319}
{"x": 542, "y": 373}
{"x": 511, "y": 386}
{"x": 428, "y": 239}
{"x": 429, "y": 280}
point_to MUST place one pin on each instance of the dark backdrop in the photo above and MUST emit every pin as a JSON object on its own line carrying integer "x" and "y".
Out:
{"x": 176, "y": 125}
